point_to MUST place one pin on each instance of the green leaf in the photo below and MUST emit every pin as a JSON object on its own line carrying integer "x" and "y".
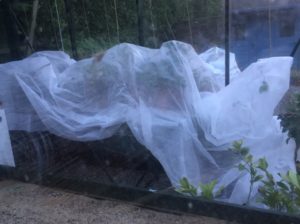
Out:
{"x": 258, "y": 178}
{"x": 253, "y": 171}
{"x": 264, "y": 87}
{"x": 249, "y": 158}
{"x": 186, "y": 187}
{"x": 283, "y": 185}
{"x": 237, "y": 144}
{"x": 262, "y": 190}
{"x": 184, "y": 182}
{"x": 244, "y": 151}
{"x": 293, "y": 178}
{"x": 207, "y": 189}
{"x": 270, "y": 177}
{"x": 262, "y": 164}
{"x": 241, "y": 167}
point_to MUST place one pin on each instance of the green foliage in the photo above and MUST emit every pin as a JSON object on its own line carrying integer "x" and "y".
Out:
{"x": 274, "y": 194}
{"x": 291, "y": 119}
{"x": 280, "y": 195}
{"x": 207, "y": 190}
{"x": 102, "y": 23}
{"x": 187, "y": 188}
{"x": 293, "y": 181}
{"x": 248, "y": 164}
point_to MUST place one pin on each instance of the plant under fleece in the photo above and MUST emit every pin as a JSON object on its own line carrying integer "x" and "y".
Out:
{"x": 281, "y": 195}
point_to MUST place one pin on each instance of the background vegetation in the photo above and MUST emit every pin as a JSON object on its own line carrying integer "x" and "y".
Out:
{"x": 100, "y": 24}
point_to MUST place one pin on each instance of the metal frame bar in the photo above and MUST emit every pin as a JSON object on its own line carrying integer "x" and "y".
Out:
{"x": 227, "y": 42}
{"x": 294, "y": 51}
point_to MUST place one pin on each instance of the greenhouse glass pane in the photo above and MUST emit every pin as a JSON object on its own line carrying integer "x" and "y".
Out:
{"x": 176, "y": 106}
{"x": 261, "y": 29}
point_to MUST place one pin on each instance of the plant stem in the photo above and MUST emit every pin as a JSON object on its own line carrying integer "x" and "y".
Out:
{"x": 250, "y": 191}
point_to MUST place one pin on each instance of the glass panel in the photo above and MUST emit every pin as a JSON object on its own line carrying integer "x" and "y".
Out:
{"x": 115, "y": 117}
{"x": 264, "y": 34}
{"x": 274, "y": 21}
{"x": 127, "y": 100}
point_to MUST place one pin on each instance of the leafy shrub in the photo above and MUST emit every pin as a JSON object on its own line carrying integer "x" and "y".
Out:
{"x": 290, "y": 121}
{"x": 282, "y": 195}
{"x": 248, "y": 164}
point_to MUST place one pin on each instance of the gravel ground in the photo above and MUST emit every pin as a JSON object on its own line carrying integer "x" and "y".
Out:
{"x": 31, "y": 204}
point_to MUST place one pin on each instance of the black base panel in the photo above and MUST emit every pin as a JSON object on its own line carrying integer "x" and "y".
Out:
{"x": 170, "y": 201}
{"x": 164, "y": 200}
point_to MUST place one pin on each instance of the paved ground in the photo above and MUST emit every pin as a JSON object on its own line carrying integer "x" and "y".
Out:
{"x": 30, "y": 204}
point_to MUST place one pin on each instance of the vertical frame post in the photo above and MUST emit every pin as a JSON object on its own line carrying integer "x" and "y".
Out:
{"x": 227, "y": 42}
{"x": 293, "y": 53}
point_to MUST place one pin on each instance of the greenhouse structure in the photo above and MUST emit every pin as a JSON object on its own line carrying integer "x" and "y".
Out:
{"x": 143, "y": 111}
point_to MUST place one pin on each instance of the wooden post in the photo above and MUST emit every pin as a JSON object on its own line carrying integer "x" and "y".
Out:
{"x": 71, "y": 27}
